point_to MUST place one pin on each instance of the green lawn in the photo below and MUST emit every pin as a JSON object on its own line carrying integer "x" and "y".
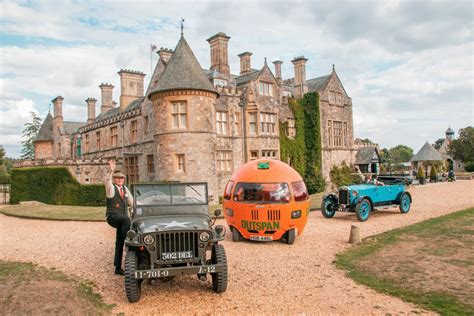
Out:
{"x": 430, "y": 264}
{"x": 28, "y": 289}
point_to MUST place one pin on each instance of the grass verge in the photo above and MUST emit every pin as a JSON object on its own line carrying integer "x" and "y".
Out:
{"x": 56, "y": 212}
{"x": 429, "y": 264}
{"x": 31, "y": 289}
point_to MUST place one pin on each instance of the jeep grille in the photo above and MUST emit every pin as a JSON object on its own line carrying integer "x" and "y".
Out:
{"x": 343, "y": 196}
{"x": 177, "y": 242}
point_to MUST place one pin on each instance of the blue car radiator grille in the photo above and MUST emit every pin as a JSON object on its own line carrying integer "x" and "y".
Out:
{"x": 343, "y": 196}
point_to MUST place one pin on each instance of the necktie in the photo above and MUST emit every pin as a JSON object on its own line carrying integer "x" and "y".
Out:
{"x": 121, "y": 192}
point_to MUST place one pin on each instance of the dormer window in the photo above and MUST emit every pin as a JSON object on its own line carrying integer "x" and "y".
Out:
{"x": 220, "y": 83}
{"x": 266, "y": 89}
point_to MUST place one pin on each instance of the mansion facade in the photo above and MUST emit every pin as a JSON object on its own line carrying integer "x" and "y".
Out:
{"x": 193, "y": 124}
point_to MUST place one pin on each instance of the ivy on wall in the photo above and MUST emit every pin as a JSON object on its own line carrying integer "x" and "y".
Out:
{"x": 304, "y": 151}
{"x": 53, "y": 185}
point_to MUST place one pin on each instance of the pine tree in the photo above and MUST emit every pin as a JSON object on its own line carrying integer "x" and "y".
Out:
{"x": 29, "y": 135}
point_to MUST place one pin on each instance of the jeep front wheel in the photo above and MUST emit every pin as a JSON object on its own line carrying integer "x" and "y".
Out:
{"x": 132, "y": 285}
{"x": 219, "y": 279}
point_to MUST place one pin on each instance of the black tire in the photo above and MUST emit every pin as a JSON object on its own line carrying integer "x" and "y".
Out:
{"x": 363, "y": 210}
{"x": 326, "y": 207}
{"x": 290, "y": 236}
{"x": 405, "y": 203}
{"x": 236, "y": 237}
{"x": 219, "y": 279}
{"x": 132, "y": 285}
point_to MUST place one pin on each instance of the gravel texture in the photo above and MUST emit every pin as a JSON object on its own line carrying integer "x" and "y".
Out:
{"x": 264, "y": 278}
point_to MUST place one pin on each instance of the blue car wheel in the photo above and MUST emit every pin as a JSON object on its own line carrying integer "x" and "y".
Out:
{"x": 363, "y": 210}
{"x": 326, "y": 208}
{"x": 405, "y": 203}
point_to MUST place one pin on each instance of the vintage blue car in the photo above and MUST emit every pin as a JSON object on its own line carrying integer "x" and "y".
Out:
{"x": 365, "y": 198}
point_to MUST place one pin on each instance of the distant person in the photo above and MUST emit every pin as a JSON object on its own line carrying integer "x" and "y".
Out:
{"x": 118, "y": 200}
{"x": 373, "y": 180}
{"x": 360, "y": 175}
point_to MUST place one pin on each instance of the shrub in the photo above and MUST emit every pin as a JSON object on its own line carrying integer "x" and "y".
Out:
{"x": 4, "y": 179}
{"x": 53, "y": 185}
{"x": 433, "y": 173}
{"x": 341, "y": 175}
{"x": 469, "y": 166}
{"x": 421, "y": 173}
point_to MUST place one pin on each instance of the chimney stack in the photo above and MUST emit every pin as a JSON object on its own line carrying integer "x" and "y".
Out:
{"x": 106, "y": 94}
{"x": 245, "y": 66}
{"x": 131, "y": 86}
{"x": 91, "y": 102}
{"x": 219, "y": 53}
{"x": 58, "y": 107}
{"x": 300, "y": 76}
{"x": 165, "y": 54}
{"x": 277, "y": 64}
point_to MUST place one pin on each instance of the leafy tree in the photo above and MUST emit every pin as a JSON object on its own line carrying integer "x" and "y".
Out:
{"x": 29, "y": 134}
{"x": 400, "y": 153}
{"x": 462, "y": 148}
{"x": 469, "y": 166}
{"x": 367, "y": 141}
{"x": 341, "y": 175}
{"x": 2, "y": 154}
{"x": 438, "y": 143}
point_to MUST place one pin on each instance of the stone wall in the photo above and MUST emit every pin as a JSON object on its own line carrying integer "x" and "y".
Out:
{"x": 43, "y": 149}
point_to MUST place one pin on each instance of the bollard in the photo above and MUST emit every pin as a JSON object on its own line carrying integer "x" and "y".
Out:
{"x": 354, "y": 237}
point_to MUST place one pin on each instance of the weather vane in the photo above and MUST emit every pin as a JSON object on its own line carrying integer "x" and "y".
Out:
{"x": 182, "y": 26}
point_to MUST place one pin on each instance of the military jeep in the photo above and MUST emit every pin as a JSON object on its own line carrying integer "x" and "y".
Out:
{"x": 172, "y": 234}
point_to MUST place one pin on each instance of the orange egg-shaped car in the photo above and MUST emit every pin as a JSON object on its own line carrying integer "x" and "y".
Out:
{"x": 266, "y": 200}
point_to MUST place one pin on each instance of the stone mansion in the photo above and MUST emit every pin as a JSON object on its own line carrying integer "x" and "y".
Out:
{"x": 194, "y": 124}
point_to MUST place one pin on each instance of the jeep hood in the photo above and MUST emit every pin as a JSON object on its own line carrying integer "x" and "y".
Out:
{"x": 164, "y": 223}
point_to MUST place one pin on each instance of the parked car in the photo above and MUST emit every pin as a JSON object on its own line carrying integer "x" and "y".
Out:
{"x": 362, "y": 199}
{"x": 172, "y": 234}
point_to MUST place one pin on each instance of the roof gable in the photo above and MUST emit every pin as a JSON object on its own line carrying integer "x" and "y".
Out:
{"x": 366, "y": 155}
{"x": 45, "y": 132}
{"x": 183, "y": 72}
{"x": 427, "y": 153}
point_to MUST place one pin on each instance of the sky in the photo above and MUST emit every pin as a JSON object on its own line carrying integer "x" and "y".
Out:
{"x": 407, "y": 65}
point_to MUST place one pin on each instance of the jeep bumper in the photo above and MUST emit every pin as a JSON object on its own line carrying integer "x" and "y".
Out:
{"x": 177, "y": 271}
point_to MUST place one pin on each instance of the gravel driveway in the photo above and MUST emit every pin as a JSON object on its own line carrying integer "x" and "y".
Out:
{"x": 265, "y": 278}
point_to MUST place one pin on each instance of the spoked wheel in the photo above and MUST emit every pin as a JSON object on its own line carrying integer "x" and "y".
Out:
{"x": 236, "y": 236}
{"x": 132, "y": 285}
{"x": 363, "y": 210}
{"x": 219, "y": 279}
{"x": 327, "y": 207}
{"x": 291, "y": 236}
{"x": 405, "y": 203}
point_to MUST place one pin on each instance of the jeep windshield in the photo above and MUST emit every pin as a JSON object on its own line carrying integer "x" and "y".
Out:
{"x": 262, "y": 193}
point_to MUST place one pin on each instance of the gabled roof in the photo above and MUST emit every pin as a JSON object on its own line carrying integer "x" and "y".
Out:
{"x": 45, "y": 132}
{"x": 72, "y": 127}
{"x": 365, "y": 155}
{"x": 318, "y": 84}
{"x": 248, "y": 77}
{"x": 114, "y": 111}
{"x": 183, "y": 72}
{"x": 427, "y": 153}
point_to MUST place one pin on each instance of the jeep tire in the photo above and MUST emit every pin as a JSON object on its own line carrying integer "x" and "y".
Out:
{"x": 219, "y": 279}
{"x": 132, "y": 285}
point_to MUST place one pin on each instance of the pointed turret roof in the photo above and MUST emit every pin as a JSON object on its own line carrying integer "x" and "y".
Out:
{"x": 450, "y": 131}
{"x": 45, "y": 132}
{"x": 427, "y": 153}
{"x": 183, "y": 72}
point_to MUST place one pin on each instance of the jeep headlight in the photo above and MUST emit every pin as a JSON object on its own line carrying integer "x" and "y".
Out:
{"x": 204, "y": 236}
{"x": 148, "y": 239}
{"x": 131, "y": 234}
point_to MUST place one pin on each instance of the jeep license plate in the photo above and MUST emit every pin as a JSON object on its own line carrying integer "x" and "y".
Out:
{"x": 261, "y": 238}
{"x": 177, "y": 255}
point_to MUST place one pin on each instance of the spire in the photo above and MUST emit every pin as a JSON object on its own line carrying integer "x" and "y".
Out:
{"x": 183, "y": 72}
{"x": 182, "y": 27}
{"x": 333, "y": 68}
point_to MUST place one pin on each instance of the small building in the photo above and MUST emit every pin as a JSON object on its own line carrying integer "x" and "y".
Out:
{"x": 455, "y": 165}
{"x": 425, "y": 158}
{"x": 368, "y": 160}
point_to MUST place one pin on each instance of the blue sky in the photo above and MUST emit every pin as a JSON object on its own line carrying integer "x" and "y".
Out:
{"x": 408, "y": 65}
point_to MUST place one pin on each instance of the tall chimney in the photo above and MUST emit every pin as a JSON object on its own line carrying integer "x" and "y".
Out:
{"x": 58, "y": 107}
{"x": 165, "y": 54}
{"x": 245, "y": 66}
{"x": 300, "y": 76}
{"x": 131, "y": 86}
{"x": 219, "y": 53}
{"x": 277, "y": 64}
{"x": 91, "y": 102}
{"x": 106, "y": 94}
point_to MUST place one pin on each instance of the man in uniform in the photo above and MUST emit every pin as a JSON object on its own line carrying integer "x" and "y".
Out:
{"x": 118, "y": 200}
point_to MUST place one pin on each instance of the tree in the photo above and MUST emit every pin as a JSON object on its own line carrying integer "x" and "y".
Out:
{"x": 438, "y": 143}
{"x": 2, "y": 154}
{"x": 29, "y": 134}
{"x": 462, "y": 148}
{"x": 400, "y": 153}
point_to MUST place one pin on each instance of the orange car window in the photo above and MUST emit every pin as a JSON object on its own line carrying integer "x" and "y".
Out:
{"x": 300, "y": 191}
{"x": 262, "y": 192}
{"x": 228, "y": 190}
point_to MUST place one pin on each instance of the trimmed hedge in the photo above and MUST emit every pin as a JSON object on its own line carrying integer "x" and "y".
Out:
{"x": 304, "y": 150}
{"x": 4, "y": 179}
{"x": 53, "y": 185}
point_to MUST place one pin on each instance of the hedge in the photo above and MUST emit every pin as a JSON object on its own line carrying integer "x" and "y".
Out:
{"x": 4, "y": 179}
{"x": 304, "y": 151}
{"x": 53, "y": 185}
